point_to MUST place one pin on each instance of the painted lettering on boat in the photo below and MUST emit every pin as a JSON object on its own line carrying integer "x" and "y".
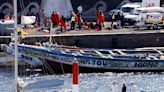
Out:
{"x": 93, "y": 62}
{"x": 146, "y": 64}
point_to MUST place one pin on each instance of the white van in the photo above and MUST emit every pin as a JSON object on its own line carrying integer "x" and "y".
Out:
{"x": 127, "y": 8}
{"x": 149, "y": 17}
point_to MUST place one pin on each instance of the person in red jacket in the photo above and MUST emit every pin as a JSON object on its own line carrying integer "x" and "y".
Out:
{"x": 97, "y": 15}
{"x": 101, "y": 18}
{"x": 55, "y": 17}
{"x": 6, "y": 17}
{"x": 63, "y": 24}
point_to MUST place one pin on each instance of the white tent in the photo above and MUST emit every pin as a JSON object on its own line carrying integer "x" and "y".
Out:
{"x": 27, "y": 19}
{"x": 62, "y": 6}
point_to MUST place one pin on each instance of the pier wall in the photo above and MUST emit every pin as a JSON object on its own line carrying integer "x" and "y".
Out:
{"x": 107, "y": 41}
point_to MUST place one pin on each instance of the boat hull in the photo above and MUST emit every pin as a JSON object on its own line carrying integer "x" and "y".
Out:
{"x": 61, "y": 61}
{"x": 60, "y": 68}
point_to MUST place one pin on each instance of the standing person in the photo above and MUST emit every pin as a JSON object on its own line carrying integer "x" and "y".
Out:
{"x": 97, "y": 15}
{"x": 76, "y": 19}
{"x": 2, "y": 15}
{"x": 55, "y": 17}
{"x": 80, "y": 9}
{"x": 101, "y": 19}
{"x": 80, "y": 21}
{"x": 113, "y": 19}
{"x": 122, "y": 20}
{"x": 37, "y": 19}
{"x": 123, "y": 88}
{"x": 73, "y": 17}
{"x": 63, "y": 24}
{"x": 133, "y": 87}
{"x": 42, "y": 17}
{"x": 114, "y": 86}
{"x": 118, "y": 20}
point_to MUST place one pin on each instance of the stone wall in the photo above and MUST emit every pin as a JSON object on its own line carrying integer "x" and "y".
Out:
{"x": 107, "y": 41}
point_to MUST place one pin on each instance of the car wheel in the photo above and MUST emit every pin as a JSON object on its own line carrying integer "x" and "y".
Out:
{"x": 155, "y": 26}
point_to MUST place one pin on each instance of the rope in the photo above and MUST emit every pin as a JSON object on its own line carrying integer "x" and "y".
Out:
{"x": 47, "y": 66}
{"x": 43, "y": 66}
{"x": 62, "y": 68}
{"x": 32, "y": 68}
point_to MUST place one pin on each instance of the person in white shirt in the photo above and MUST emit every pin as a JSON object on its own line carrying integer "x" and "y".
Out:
{"x": 80, "y": 9}
{"x": 133, "y": 87}
{"x": 114, "y": 86}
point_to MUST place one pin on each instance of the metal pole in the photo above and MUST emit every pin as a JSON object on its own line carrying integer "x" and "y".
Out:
{"x": 50, "y": 39}
{"x": 16, "y": 45}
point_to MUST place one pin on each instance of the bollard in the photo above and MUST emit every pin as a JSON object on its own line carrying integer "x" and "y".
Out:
{"x": 75, "y": 74}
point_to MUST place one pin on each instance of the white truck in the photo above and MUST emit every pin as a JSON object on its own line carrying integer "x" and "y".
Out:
{"x": 149, "y": 17}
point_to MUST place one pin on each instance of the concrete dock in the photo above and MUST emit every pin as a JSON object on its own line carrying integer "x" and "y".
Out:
{"x": 114, "y": 38}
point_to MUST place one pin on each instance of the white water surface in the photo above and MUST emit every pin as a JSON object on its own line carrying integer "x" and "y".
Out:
{"x": 94, "y": 82}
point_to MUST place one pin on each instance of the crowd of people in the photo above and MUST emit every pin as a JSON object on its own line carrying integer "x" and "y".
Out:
{"x": 75, "y": 22}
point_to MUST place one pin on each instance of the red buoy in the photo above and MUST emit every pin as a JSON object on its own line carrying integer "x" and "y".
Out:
{"x": 75, "y": 73}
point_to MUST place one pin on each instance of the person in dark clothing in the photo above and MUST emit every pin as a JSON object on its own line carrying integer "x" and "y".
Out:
{"x": 123, "y": 88}
{"x": 2, "y": 15}
{"x": 118, "y": 20}
{"x": 113, "y": 19}
{"x": 122, "y": 20}
{"x": 80, "y": 21}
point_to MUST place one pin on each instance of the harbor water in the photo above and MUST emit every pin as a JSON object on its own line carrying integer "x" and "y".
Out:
{"x": 93, "y": 82}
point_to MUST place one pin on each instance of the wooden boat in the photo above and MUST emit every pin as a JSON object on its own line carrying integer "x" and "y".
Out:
{"x": 60, "y": 58}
